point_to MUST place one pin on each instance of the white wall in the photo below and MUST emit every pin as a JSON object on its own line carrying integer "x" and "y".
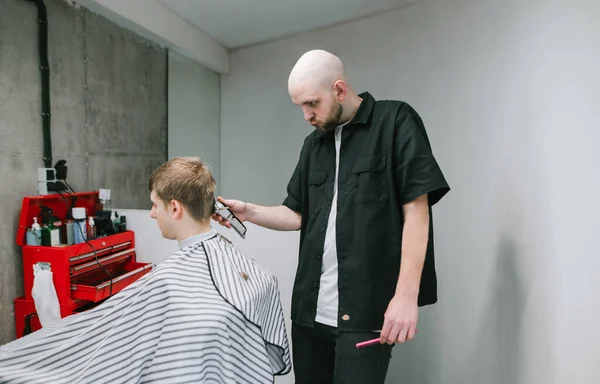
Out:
{"x": 150, "y": 246}
{"x": 508, "y": 92}
{"x": 194, "y": 112}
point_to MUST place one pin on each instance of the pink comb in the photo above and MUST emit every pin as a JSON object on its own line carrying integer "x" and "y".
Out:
{"x": 370, "y": 342}
{"x": 367, "y": 343}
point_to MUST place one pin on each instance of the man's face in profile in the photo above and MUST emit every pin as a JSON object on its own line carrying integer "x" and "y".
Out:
{"x": 164, "y": 218}
{"x": 320, "y": 108}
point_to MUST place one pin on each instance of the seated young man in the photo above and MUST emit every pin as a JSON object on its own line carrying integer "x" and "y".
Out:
{"x": 206, "y": 314}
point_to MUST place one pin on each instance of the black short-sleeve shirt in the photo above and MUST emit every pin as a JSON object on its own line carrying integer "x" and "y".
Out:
{"x": 385, "y": 161}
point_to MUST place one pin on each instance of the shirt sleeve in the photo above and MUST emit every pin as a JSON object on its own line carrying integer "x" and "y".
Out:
{"x": 416, "y": 169}
{"x": 294, "y": 199}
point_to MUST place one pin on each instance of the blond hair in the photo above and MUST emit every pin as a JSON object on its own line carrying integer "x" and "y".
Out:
{"x": 187, "y": 180}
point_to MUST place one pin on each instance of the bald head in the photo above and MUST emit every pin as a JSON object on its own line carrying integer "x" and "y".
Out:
{"x": 318, "y": 85}
{"x": 316, "y": 70}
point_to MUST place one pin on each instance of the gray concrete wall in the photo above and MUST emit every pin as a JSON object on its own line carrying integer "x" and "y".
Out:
{"x": 109, "y": 117}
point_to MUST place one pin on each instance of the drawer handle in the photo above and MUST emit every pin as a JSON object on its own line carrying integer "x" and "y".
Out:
{"x": 102, "y": 250}
{"x": 108, "y": 258}
{"x": 135, "y": 271}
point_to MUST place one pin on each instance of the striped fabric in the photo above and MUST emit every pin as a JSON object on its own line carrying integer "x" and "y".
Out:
{"x": 207, "y": 314}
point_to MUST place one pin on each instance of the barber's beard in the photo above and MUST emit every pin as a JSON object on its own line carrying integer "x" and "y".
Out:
{"x": 333, "y": 120}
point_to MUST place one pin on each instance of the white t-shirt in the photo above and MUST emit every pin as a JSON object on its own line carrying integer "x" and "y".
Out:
{"x": 327, "y": 303}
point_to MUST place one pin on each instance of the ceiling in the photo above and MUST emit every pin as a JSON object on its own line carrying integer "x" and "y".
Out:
{"x": 240, "y": 23}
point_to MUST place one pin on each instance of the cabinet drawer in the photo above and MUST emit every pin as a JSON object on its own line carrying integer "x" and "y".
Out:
{"x": 95, "y": 264}
{"x": 96, "y": 286}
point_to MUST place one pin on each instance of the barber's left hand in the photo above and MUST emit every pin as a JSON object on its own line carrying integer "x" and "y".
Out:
{"x": 400, "y": 322}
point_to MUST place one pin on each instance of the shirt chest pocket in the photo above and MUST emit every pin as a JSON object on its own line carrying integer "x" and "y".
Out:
{"x": 316, "y": 185}
{"x": 370, "y": 180}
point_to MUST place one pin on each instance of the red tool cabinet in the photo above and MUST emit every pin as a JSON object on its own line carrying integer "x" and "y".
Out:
{"x": 79, "y": 272}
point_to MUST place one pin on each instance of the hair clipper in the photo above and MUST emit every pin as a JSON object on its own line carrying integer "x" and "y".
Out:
{"x": 222, "y": 210}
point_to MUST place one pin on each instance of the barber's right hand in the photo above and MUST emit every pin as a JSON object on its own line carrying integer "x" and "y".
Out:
{"x": 237, "y": 207}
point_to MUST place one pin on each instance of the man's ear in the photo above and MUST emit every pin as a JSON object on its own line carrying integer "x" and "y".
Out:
{"x": 176, "y": 209}
{"x": 340, "y": 90}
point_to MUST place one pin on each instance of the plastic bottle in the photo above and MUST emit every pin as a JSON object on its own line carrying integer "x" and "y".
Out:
{"x": 68, "y": 230}
{"x": 45, "y": 229}
{"x": 79, "y": 227}
{"x": 38, "y": 230}
{"x": 54, "y": 234}
{"x": 34, "y": 234}
{"x": 123, "y": 224}
{"x": 50, "y": 233}
{"x": 58, "y": 225}
{"x": 91, "y": 229}
{"x": 114, "y": 222}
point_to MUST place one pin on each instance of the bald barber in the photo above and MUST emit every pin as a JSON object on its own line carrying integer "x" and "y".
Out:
{"x": 361, "y": 195}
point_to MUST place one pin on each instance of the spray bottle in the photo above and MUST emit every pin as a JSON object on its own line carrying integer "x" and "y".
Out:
{"x": 91, "y": 229}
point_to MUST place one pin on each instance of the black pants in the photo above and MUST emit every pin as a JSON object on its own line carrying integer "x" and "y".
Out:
{"x": 323, "y": 355}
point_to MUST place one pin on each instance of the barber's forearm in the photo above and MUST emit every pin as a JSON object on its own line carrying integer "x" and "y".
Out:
{"x": 414, "y": 247}
{"x": 279, "y": 218}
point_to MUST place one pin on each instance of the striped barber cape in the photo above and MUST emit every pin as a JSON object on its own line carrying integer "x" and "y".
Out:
{"x": 207, "y": 314}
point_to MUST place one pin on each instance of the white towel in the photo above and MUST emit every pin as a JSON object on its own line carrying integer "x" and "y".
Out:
{"x": 44, "y": 296}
